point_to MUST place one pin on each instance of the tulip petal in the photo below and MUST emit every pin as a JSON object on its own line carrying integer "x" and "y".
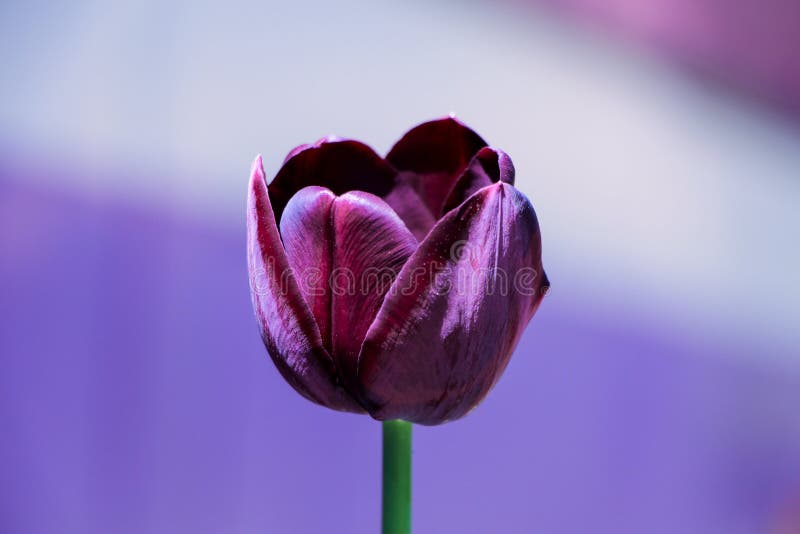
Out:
{"x": 296, "y": 150}
{"x": 340, "y": 165}
{"x": 346, "y": 252}
{"x": 448, "y": 325}
{"x": 371, "y": 246}
{"x": 406, "y": 202}
{"x": 306, "y": 231}
{"x": 287, "y": 325}
{"x": 433, "y": 155}
{"x": 488, "y": 166}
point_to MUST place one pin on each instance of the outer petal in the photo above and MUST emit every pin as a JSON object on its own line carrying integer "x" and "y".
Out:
{"x": 432, "y": 156}
{"x": 340, "y": 165}
{"x": 488, "y": 166}
{"x": 446, "y": 329}
{"x": 346, "y": 251}
{"x": 286, "y": 323}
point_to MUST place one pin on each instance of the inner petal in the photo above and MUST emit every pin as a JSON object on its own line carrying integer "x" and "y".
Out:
{"x": 340, "y": 165}
{"x": 488, "y": 166}
{"x": 407, "y": 203}
{"x": 305, "y": 229}
{"x": 346, "y": 252}
{"x": 432, "y": 156}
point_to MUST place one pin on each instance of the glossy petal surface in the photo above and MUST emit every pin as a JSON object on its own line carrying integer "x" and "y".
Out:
{"x": 348, "y": 250}
{"x": 306, "y": 231}
{"x": 431, "y": 156}
{"x": 447, "y": 328}
{"x": 287, "y": 325}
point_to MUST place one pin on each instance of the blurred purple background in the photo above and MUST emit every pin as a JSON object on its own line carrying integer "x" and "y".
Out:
{"x": 657, "y": 390}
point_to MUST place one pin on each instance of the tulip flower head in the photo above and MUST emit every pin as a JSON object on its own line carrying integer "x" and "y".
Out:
{"x": 394, "y": 286}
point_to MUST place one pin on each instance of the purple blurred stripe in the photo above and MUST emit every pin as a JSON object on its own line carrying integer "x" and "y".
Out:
{"x": 135, "y": 397}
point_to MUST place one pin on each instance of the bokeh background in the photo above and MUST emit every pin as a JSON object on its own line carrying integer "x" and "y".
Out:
{"x": 656, "y": 391}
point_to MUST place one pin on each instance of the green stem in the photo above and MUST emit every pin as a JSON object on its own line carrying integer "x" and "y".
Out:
{"x": 396, "y": 477}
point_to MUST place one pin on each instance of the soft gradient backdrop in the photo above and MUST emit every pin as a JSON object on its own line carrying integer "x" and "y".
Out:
{"x": 656, "y": 391}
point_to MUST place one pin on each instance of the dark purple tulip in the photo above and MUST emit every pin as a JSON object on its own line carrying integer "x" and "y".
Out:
{"x": 399, "y": 286}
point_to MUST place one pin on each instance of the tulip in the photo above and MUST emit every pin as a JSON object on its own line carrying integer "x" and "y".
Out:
{"x": 394, "y": 286}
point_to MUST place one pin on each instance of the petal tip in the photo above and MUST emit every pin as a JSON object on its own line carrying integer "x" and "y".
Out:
{"x": 331, "y": 138}
{"x": 449, "y": 118}
{"x": 328, "y": 139}
{"x": 257, "y": 178}
{"x": 257, "y": 171}
{"x": 497, "y": 164}
{"x": 257, "y": 166}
